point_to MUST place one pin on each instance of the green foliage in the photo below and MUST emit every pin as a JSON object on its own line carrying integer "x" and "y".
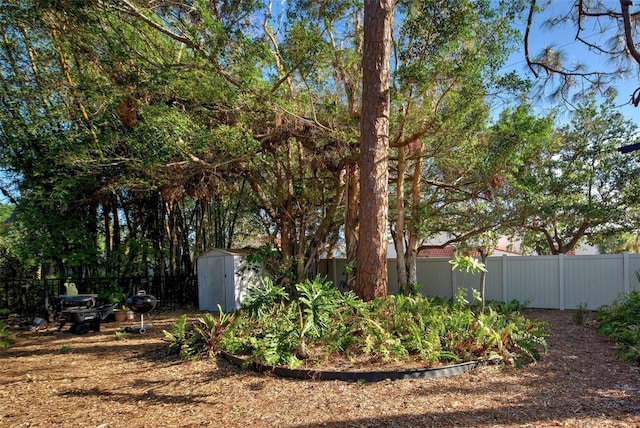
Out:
{"x": 230, "y": 100}
{"x": 122, "y": 335}
{"x": 112, "y": 294}
{"x": 326, "y": 323}
{"x": 506, "y": 308}
{"x": 6, "y": 336}
{"x": 621, "y": 321}
{"x": 467, "y": 264}
{"x": 200, "y": 337}
{"x": 318, "y": 300}
{"x": 177, "y": 337}
{"x": 5, "y": 212}
{"x": 262, "y": 296}
{"x": 579, "y": 186}
{"x": 271, "y": 260}
{"x": 580, "y": 314}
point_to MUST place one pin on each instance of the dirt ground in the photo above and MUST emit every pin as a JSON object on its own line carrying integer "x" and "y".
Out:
{"x": 60, "y": 379}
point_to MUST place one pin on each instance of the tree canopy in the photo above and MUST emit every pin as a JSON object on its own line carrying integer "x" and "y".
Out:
{"x": 141, "y": 134}
{"x": 580, "y": 186}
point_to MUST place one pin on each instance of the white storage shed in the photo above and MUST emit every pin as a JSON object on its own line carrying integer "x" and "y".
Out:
{"x": 223, "y": 278}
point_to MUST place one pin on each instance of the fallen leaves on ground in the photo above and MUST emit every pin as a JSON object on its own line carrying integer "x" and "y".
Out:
{"x": 59, "y": 379}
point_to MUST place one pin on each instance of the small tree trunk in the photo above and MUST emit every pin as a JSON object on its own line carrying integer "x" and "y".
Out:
{"x": 398, "y": 236}
{"x": 412, "y": 246}
{"x": 483, "y": 277}
{"x": 351, "y": 223}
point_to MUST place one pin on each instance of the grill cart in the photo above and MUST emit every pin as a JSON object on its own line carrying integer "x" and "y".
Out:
{"x": 80, "y": 310}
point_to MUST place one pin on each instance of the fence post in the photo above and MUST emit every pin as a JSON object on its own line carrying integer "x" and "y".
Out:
{"x": 454, "y": 286}
{"x": 561, "y": 280}
{"x": 334, "y": 272}
{"x": 504, "y": 278}
{"x": 626, "y": 267}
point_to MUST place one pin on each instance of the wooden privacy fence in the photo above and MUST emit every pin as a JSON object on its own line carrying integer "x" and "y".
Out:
{"x": 553, "y": 282}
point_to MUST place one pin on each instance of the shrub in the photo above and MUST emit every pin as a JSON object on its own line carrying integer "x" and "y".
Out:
{"x": 200, "y": 337}
{"x": 621, "y": 321}
{"x": 580, "y": 314}
{"x": 6, "y": 336}
{"x": 324, "y": 323}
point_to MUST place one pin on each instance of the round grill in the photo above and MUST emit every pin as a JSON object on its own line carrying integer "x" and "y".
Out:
{"x": 142, "y": 304}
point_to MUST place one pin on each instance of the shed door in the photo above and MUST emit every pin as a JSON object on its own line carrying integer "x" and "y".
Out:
{"x": 212, "y": 289}
{"x": 218, "y": 282}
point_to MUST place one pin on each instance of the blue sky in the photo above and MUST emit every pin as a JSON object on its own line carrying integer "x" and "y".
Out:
{"x": 562, "y": 37}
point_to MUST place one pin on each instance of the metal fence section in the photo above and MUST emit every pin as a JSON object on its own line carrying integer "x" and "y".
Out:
{"x": 553, "y": 282}
{"x": 31, "y": 297}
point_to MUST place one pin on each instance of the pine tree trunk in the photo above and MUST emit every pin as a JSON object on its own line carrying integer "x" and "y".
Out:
{"x": 372, "y": 279}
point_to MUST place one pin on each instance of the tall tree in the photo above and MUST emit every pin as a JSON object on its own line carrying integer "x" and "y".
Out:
{"x": 580, "y": 188}
{"x": 447, "y": 61}
{"x": 371, "y": 278}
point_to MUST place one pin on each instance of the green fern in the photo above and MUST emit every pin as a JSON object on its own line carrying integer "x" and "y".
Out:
{"x": 6, "y": 336}
{"x": 177, "y": 336}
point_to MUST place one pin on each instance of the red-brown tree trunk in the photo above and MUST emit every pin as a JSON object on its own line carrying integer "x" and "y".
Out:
{"x": 351, "y": 222}
{"x": 371, "y": 274}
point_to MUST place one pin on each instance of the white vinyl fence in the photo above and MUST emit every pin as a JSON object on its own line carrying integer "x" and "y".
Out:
{"x": 553, "y": 282}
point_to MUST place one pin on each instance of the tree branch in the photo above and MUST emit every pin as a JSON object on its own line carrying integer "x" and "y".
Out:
{"x": 132, "y": 10}
{"x": 532, "y": 7}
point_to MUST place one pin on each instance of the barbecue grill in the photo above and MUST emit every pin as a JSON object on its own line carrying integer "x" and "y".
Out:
{"x": 141, "y": 304}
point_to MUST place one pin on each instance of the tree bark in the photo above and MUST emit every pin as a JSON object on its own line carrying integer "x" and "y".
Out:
{"x": 484, "y": 253}
{"x": 412, "y": 247}
{"x": 371, "y": 275}
{"x": 351, "y": 224}
{"x": 398, "y": 236}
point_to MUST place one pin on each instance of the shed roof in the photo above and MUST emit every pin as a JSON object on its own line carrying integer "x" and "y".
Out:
{"x": 226, "y": 252}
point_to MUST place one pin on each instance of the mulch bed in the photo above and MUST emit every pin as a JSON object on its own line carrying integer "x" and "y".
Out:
{"x": 60, "y": 379}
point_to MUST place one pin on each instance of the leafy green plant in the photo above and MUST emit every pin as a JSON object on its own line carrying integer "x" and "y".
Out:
{"x": 6, "y": 336}
{"x": 121, "y": 335}
{"x": 467, "y": 264}
{"x": 199, "y": 337}
{"x": 512, "y": 307}
{"x": 621, "y": 321}
{"x": 271, "y": 260}
{"x": 318, "y": 301}
{"x": 178, "y": 335}
{"x": 208, "y": 330}
{"x": 580, "y": 314}
{"x": 263, "y": 296}
{"x": 323, "y": 322}
{"x": 112, "y": 294}
{"x": 474, "y": 266}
